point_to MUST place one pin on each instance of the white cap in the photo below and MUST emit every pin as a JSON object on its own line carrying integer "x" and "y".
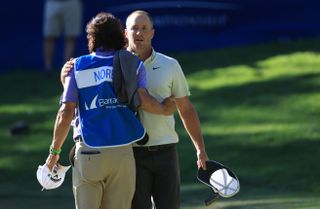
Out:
{"x": 51, "y": 179}
{"x": 223, "y": 183}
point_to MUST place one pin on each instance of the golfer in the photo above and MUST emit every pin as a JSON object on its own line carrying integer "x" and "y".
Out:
{"x": 157, "y": 164}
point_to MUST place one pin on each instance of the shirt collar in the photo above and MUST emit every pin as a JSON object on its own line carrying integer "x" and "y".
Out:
{"x": 151, "y": 58}
{"x": 101, "y": 52}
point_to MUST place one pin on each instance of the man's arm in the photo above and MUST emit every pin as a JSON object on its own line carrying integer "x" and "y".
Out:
{"x": 191, "y": 123}
{"x": 61, "y": 130}
{"x": 149, "y": 104}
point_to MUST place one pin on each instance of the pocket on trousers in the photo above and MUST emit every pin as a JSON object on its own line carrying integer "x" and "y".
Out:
{"x": 90, "y": 166}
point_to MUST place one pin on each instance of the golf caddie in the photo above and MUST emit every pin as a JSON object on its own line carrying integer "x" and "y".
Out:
{"x": 104, "y": 166}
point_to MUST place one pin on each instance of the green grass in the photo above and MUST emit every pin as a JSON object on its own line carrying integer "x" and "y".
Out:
{"x": 259, "y": 107}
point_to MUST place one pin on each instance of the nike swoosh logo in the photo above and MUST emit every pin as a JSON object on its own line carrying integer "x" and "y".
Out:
{"x": 155, "y": 68}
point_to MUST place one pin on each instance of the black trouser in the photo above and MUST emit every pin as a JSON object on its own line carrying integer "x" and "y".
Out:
{"x": 158, "y": 175}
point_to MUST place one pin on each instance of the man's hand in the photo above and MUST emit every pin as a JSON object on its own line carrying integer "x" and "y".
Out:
{"x": 202, "y": 158}
{"x": 52, "y": 160}
{"x": 169, "y": 105}
{"x": 67, "y": 67}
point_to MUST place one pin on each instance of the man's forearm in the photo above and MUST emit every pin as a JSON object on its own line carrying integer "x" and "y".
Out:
{"x": 191, "y": 123}
{"x": 62, "y": 125}
{"x": 149, "y": 103}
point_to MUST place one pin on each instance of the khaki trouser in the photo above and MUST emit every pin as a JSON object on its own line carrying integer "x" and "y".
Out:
{"x": 103, "y": 178}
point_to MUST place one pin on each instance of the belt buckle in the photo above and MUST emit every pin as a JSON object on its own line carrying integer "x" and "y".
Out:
{"x": 152, "y": 148}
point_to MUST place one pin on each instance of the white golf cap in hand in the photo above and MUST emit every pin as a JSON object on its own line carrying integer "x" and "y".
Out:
{"x": 51, "y": 179}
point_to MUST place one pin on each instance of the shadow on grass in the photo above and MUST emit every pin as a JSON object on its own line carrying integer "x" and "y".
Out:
{"x": 22, "y": 87}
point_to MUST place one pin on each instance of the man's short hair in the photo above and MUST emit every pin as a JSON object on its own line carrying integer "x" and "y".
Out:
{"x": 140, "y": 12}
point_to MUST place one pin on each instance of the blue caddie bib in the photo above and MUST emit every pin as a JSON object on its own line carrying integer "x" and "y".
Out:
{"x": 104, "y": 122}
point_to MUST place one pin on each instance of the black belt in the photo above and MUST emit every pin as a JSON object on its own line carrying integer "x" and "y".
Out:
{"x": 155, "y": 148}
{"x": 78, "y": 139}
{"x": 146, "y": 148}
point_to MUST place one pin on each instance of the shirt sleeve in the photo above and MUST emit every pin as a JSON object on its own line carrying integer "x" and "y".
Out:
{"x": 142, "y": 80}
{"x": 180, "y": 87}
{"x": 70, "y": 93}
{"x": 141, "y": 83}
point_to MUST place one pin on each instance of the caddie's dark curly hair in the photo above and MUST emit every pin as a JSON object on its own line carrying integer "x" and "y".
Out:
{"x": 105, "y": 31}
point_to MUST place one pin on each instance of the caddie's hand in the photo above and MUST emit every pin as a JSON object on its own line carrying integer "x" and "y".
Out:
{"x": 52, "y": 160}
{"x": 202, "y": 158}
{"x": 67, "y": 67}
{"x": 169, "y": 105}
